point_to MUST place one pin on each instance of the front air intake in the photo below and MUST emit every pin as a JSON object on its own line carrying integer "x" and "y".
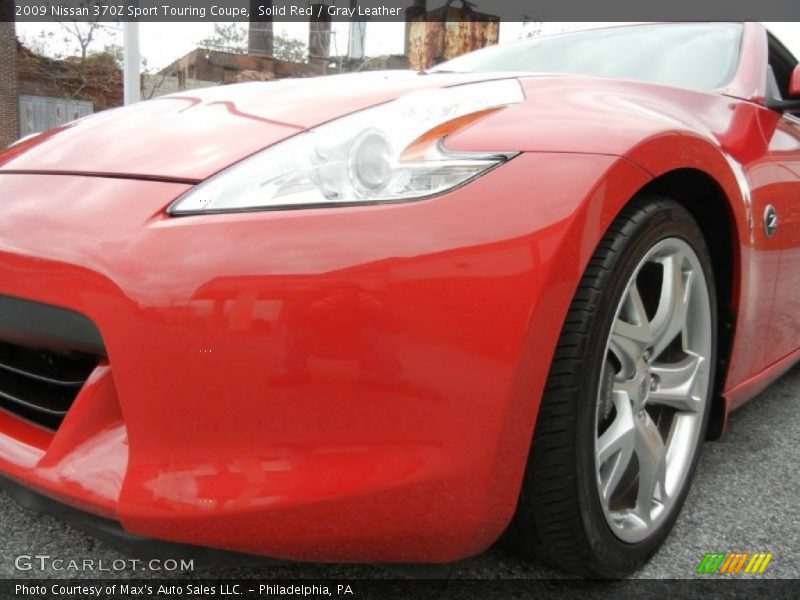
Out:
{"x": 39, "y": 385}
{"x": 46, "y": 355}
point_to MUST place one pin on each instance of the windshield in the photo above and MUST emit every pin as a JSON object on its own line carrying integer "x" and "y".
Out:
{"x": 701, "y": 56}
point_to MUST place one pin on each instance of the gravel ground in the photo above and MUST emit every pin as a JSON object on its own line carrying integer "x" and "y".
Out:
{"x": 744, "y": 498}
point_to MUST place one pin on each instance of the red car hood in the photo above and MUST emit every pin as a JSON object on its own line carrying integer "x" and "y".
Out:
{"x": 192, "y": 135}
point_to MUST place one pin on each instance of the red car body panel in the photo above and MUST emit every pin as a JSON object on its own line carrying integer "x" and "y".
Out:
{"x": 417, "y": 337}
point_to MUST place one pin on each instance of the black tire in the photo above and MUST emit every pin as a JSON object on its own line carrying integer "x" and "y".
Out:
{"x": 559, "y": 518}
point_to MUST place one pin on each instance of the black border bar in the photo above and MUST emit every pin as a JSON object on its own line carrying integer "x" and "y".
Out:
{"x": 396, "y": 10}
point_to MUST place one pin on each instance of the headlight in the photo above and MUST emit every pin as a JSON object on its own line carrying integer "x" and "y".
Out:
{"x": 390, "y": 153}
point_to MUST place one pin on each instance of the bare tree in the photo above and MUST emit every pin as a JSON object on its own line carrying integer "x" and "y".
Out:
{"x": 230, "y": 37}
{"x": 82, "y": 32}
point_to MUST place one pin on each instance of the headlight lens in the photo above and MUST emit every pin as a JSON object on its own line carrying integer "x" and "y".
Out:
{"x": 390, "y": 153}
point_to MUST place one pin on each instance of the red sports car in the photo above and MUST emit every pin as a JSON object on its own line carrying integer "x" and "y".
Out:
{"x": 390, "y": 316}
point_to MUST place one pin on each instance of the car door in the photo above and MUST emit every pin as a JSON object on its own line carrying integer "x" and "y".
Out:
{"x": 784, "y": 153}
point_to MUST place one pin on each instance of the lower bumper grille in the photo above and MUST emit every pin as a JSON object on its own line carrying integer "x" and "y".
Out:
{"x": 39, "y": 385}
{"x": 46, "y": 355}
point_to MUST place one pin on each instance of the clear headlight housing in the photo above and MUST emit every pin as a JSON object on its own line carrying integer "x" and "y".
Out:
{"x": 390, "y": 153}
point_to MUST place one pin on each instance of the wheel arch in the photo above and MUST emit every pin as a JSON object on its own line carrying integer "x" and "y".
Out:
{"x": 705, "y": 199}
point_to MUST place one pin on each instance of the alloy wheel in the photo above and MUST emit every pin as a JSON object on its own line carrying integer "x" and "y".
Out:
{"x": 653, "y": 390}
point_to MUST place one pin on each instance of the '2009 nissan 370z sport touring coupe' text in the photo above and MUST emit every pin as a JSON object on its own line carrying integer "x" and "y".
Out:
{"x": 394, "y": 316}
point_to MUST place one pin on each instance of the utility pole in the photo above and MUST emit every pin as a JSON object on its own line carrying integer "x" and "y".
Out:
{"x": 130, "y": 62}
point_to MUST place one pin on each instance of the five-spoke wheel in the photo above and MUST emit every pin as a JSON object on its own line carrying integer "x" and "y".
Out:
{"x": 652, "y": 396}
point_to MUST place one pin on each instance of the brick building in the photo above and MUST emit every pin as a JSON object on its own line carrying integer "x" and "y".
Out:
{"x": 9, "y": 104}
{"x": 229, "y": 67}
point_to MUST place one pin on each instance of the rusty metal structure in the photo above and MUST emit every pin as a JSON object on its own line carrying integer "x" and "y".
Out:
{"x": 446, "y": 32}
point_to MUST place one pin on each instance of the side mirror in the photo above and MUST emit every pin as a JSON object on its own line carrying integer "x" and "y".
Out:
{"x": 791, "y": 105}
{"x": 794, "y": 84}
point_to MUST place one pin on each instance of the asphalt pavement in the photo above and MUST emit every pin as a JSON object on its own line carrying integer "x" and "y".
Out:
{"x": 744, "y": 499}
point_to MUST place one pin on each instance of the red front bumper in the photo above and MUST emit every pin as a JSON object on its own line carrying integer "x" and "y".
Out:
{"x": 340, "y": 384}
